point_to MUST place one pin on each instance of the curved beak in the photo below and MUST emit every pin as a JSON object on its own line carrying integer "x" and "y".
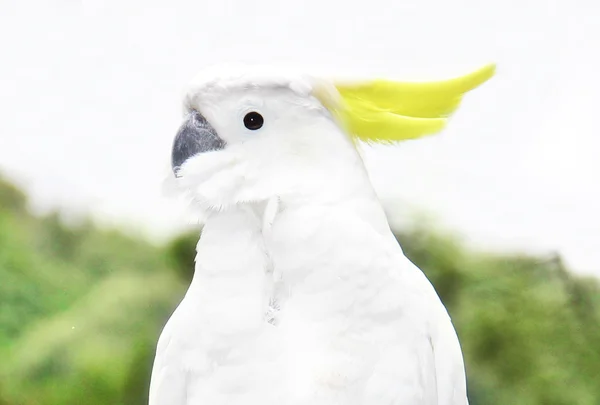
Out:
{"x": 195, "y": 136}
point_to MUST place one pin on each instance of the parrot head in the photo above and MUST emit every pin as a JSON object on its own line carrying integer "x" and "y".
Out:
{"x": 251, "y": 133}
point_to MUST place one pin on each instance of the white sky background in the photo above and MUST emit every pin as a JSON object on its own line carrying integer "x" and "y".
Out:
{"x": 90, "y": 102}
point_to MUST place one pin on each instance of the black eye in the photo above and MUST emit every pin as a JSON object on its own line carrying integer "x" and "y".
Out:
{"x": 253, "y": 121}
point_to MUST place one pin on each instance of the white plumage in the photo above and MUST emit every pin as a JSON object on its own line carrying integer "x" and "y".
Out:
{"x": 301, "y": 293}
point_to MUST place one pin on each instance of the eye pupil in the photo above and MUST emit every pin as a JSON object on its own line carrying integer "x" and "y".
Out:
{"x": 253, "y": 120}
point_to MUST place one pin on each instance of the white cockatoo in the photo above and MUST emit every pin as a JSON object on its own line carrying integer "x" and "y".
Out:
{"x": 301, "y": 293}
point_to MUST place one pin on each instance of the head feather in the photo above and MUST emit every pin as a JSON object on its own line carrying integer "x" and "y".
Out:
{"x": 386, "y": 111}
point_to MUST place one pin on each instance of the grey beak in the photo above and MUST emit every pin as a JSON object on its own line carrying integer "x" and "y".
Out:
{"x": 195, "y": 136}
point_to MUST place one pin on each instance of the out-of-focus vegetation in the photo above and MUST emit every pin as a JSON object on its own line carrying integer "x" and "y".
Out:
{"x": 81, "y": 309}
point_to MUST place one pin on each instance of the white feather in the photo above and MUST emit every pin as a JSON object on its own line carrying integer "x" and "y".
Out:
{"x": 301, "y": 293}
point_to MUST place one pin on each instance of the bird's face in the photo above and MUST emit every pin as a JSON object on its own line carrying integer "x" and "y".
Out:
{"x": 249, "y": 139}
{"x": 251, "y": 134}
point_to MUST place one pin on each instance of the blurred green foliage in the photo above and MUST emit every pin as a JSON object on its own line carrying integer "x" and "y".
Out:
{"x": 81, "y": 310}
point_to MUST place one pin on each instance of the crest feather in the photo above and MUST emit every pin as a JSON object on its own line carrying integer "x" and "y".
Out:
{"x": 389, "y": 111}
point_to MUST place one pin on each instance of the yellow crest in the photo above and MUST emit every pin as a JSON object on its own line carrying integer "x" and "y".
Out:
{"x": 387, "y": 111}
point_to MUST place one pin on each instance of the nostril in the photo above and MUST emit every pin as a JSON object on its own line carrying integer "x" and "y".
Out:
{"x": 197, "y": 118}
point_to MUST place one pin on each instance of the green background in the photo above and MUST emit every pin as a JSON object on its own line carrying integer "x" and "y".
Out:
{"x": 81, "y": 309}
